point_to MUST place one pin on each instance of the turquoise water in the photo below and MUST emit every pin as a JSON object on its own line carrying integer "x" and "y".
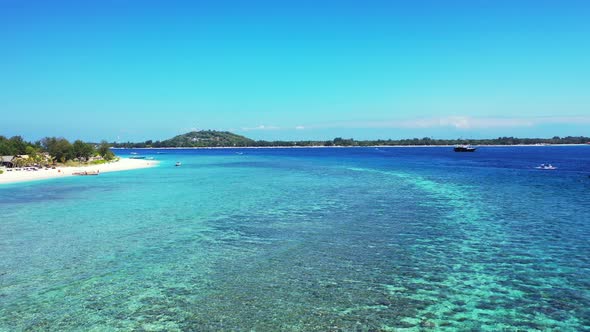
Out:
{"x": 390, "y": 239}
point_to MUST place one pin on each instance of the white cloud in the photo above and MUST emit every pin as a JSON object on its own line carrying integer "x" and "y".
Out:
{"x": 464, "y": 122}
{"x": 260, "y": 127}
{"x": 459, "y": 122}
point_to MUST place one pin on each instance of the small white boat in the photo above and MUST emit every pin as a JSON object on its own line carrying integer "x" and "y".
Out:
{"x": 177, "y": 164}
{"x": 546, "y": 167}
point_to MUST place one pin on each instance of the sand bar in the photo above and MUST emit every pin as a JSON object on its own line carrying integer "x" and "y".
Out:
{"x": 122, "y": 164}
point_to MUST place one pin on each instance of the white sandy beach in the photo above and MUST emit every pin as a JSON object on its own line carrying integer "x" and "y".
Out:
{"x": 122, "y": 164}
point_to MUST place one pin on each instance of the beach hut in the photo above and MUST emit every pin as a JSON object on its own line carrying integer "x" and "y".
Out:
{"x": 7, "y": 161}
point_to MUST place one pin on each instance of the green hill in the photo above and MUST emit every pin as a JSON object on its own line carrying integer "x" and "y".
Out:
{"x": 207, "y": 138}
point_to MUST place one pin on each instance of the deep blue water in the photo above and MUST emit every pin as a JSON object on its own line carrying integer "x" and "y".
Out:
{"x": 367, "y": 239}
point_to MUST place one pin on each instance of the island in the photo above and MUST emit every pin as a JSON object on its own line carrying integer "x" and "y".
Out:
{"x": 219, "y": 139}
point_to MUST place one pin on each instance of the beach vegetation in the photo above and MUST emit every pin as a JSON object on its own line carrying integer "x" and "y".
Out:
{"x": 13, "y": 146}
{"x": 98, "y": 162}
{"x": 104, "y": 150}
{"x": 60, "y": 149}
{"x": 31, "y": 151}
{"x": 18, "y": 144}
{"x": 82, "y": 151}
{"x": 52, "y": 150}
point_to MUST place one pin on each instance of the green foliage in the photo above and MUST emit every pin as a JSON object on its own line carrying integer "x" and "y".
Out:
{"x": 82, "y": 151}
{"x": 98, "y": 162}
{"x": 59, "y": 149}
{"x": 104, "y": 150}
{"x": 339, "y": 141}
{"x": 5, "y": 148}
{"x": 31, "y": 151}
{"x": 13, "y": 146}
{"x": 18, "y": 144}
{"x": 1, "y": 171}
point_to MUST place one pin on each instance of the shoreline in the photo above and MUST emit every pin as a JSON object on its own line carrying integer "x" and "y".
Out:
{"x": 123, "y": 164}
{"x": 341, "y": 147}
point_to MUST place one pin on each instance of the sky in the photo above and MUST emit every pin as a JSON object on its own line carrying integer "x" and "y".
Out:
{"x": 126, "y": 70}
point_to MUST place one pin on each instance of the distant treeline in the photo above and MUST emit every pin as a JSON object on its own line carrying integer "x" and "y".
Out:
{"x": 210, "y": 138}
{"x": 54, "y": 149}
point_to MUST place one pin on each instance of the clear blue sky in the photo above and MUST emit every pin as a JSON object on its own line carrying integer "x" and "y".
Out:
{"x": 134, "y": 70}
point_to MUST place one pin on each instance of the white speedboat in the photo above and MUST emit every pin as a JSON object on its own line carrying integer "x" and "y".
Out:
{"x": 464, "y": 148}
{"x": 177, "y": 164}
{"x": 546, "y": 167}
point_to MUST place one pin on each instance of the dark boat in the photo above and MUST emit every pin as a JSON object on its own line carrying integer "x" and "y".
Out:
{"x": 84, "y": 173}
{"x": 464, "y": 148}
